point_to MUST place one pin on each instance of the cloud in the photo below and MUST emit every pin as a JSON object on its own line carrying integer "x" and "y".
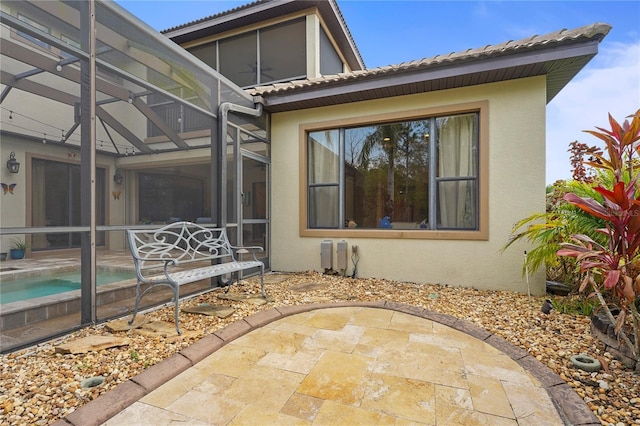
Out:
{"x": 610, "y": 84}
{"x": 481, "y": 10}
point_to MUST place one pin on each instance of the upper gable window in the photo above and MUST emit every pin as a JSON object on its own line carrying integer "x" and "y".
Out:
{"x": 267, "y": 55}
{"x": 282, "y": 52}
{"x": 239, "y": 59}
{"x": 330, "y": 62}
{"x": 207, "y": 54}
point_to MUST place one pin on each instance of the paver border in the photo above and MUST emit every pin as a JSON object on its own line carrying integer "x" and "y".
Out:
{"x": 571, "y": 408}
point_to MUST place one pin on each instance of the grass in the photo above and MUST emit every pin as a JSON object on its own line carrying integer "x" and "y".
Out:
{"x": 574, "y": 305}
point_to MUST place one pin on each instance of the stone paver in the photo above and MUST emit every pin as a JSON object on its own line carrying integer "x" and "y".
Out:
{"x": 351, "y": 365}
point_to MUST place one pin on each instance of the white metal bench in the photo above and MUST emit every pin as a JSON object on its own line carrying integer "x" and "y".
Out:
{"x": 185, "y": 252}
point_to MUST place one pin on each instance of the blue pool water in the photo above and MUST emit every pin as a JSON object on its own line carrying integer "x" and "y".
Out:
{"x": 30, "y": 288}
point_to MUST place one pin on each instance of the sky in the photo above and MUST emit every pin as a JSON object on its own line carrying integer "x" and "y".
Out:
{"x": 390, "y": 32}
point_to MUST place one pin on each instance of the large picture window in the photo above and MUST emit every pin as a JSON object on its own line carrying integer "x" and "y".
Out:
{"x": 420, "y": 174}
{"x": 55, "y": 200}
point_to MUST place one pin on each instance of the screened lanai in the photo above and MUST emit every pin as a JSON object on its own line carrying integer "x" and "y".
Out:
{"x": 114, "y": 127}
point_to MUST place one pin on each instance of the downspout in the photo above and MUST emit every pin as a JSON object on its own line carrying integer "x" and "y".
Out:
{"x": 220, "y": 203}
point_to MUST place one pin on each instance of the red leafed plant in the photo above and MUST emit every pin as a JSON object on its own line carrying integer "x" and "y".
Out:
{"x": 613, "y": 269}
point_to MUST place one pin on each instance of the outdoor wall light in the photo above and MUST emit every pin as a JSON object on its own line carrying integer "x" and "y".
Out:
{"x": 12, "y": 163}
{"x": 118, "y": 178}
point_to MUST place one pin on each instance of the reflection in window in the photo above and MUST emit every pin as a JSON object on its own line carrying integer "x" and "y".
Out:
{"x": 420, "y": 174}
{"x": 55, "y": 201}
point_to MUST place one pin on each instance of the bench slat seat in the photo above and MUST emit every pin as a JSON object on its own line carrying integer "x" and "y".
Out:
{"x": 189, "y": 276}
{"x": 178, "y": 252}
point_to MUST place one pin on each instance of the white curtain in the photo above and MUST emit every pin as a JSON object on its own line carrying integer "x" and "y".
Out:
{"x": 456, "y": 158}
{"x": 324, "y": 168}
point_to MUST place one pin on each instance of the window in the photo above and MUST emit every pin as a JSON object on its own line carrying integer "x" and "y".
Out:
{"x": 238, "y": 59}
{"x": 267, "y": 55}
{"x": 330, "y": 62}
{"x": 55, "y": 200}
{"x": 206, "y": 53}
{"x": 419, "y": 174}
{"x": 165, "y": 197}
{"x": 282, "y": 52}
{"x": 36, "y": 25}
{"x": 71, "y": 42}
{"x": 177, "y": 116}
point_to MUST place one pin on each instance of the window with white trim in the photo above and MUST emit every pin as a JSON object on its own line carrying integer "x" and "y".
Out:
{"x": 420, "y": 174}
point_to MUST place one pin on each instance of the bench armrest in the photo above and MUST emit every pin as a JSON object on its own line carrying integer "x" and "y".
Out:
{"x": 248, "y": 249}
{"x": 167, "y": 264}
{"x": 258, "y": 248}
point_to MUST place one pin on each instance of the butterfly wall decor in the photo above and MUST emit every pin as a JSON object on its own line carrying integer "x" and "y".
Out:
{"x": 8, "y": 188}
{"x": 116, "y": 195}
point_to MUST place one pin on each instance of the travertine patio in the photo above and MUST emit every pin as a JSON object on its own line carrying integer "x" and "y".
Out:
{"x": 342, "y": 365}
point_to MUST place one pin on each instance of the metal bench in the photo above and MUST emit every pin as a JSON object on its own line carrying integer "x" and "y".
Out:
{"x": 185, "y": 252}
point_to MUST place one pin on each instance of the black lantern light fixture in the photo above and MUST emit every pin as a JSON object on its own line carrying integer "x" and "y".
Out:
{"x": 12, "y": 163}
{"x": 118, "y": 178}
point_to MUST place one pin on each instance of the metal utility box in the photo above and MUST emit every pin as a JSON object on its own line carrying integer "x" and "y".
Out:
{"x": 326, "y": 254}
{"x": 341, "y": 256}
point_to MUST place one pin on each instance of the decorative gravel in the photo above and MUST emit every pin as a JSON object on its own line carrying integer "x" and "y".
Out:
{"x": 39, "y": 386}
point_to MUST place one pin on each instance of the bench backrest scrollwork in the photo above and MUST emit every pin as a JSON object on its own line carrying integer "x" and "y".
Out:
{"x": 178, "y": 243}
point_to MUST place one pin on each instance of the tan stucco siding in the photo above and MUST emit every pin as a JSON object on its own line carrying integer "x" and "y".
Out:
{"x": 15, "y": 208}
{"x": 516, "y": 183}
{"x": 12, "y": 204}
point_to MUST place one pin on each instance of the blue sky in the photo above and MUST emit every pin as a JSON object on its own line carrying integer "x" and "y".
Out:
{"x": 392, "y": 32}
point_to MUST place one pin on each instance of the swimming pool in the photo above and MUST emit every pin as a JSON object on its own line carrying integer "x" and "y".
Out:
{"x": 33, "y": 287}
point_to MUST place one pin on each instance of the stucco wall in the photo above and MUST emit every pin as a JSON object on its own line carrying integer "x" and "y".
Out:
{"x": 13, "y": 207}
{"x": 516, "y": 184}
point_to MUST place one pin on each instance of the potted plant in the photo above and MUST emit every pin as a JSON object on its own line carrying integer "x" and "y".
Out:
{"x": 19, "y": 248}
{"x": 612, "y": 268}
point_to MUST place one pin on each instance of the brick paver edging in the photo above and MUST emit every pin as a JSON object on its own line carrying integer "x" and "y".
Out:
{"x": 571, "y": 408}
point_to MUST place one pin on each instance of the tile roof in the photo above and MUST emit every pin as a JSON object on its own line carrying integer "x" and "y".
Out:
{"x": 214, "y": 16}
{"x": 596, "y": 31}
{"x": 266, "y": 10}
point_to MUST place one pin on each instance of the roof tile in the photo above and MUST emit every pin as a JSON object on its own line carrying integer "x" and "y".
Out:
{"x": 596, "y": 30}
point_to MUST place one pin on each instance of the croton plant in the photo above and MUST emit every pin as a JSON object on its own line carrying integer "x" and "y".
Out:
{"x": 612, "y": 270}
